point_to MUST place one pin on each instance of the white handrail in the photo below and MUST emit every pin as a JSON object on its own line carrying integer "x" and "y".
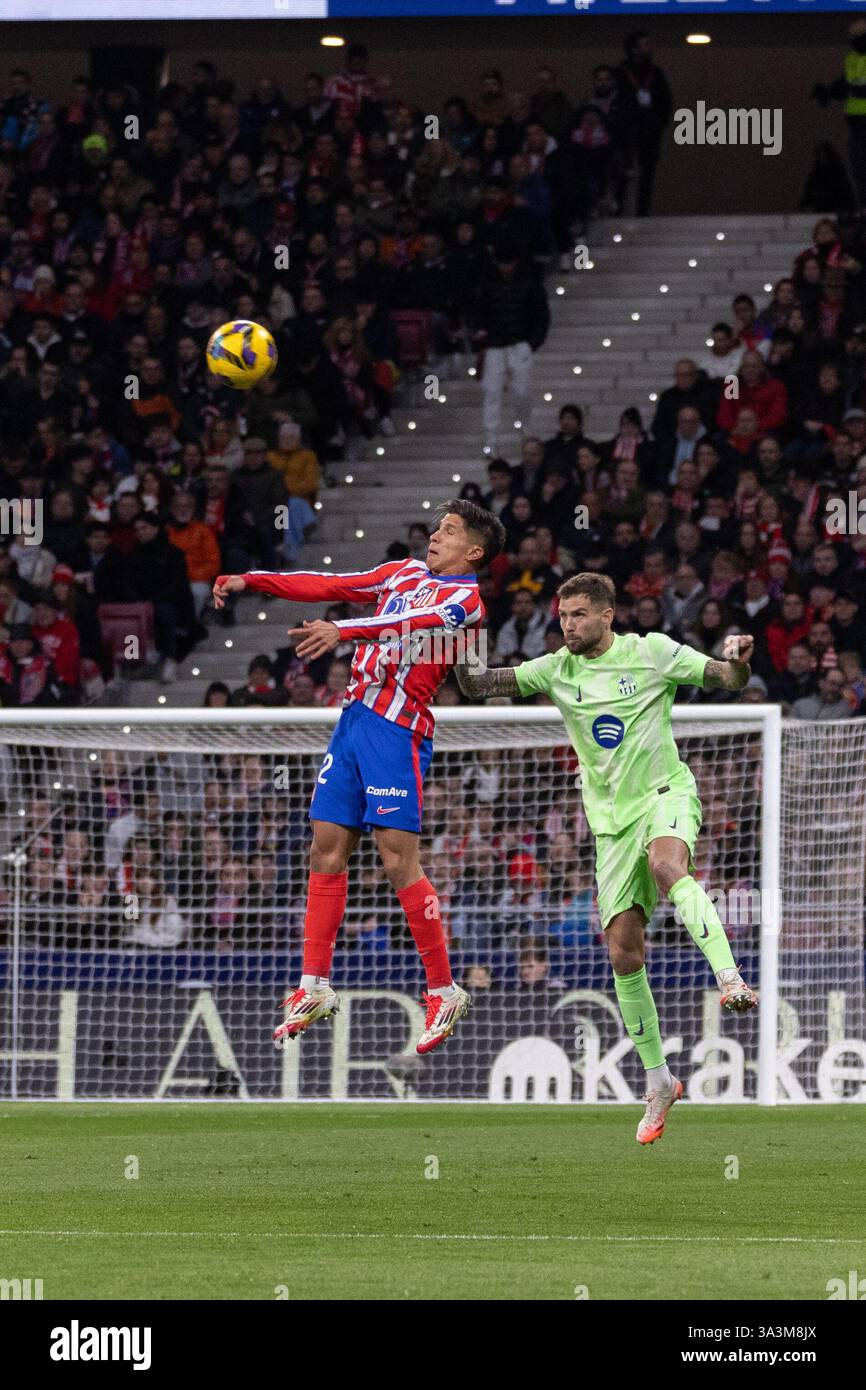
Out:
{"x": 466, "y": 714}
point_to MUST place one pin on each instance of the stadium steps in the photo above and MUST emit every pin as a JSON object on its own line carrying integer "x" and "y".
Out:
{"x": 389, "y": 488}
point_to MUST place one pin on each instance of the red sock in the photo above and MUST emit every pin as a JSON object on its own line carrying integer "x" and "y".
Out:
{"x": 326, "y": 903}
{"x": 421, "y": 906}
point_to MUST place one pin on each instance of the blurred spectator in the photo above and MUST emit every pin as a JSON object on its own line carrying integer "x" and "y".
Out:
{"x": 512, "y": 319}
{"x": 155, "y": 572}
{"x": 261, "y": 687}
{"x": 58, "y": 638}
{"x": 797, "y": 680}
{"x": 791, "y": 626}
{"x": 646, "y": 104}
{"x": 265, "y": 492}
{"x": 524, "y": 632}
{"x": 299, "y": 467}
{"x": 198, "y": 545}
{"x": 682, "y": 597}
{"x": 757, "y": 392}
{"x": 828, "y": 703}
{"x": 27, "y": 676}
{"x": 216, "y": 696}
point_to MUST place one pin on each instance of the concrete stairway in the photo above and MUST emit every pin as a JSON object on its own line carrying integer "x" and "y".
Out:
{"x": 655, "y": 288}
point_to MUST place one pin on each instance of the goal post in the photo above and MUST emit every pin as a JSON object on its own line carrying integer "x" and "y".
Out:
{"x": 154, "y": 880}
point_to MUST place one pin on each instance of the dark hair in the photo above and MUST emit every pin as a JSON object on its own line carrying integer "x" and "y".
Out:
{"x": 744, "y": 299}
{"x": 721, "y": 327}
{"x": 598, "y": 588}
{"x": 216, "y": 688}
{"x": 571, "y": 409}
{"x": 487, "y": 527}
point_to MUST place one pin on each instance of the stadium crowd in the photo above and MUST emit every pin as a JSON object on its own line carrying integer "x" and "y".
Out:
{"x": 209, "y": 851}
{"x": 130, "y": 229}
{"x": 117, "y": 259}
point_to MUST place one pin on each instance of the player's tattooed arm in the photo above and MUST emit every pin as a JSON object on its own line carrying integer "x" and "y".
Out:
{"x": 732, "y": 673}
{"x": 478, "y": 684}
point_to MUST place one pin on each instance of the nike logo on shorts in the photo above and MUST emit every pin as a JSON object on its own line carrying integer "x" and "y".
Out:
{"x": 386, "y": 810}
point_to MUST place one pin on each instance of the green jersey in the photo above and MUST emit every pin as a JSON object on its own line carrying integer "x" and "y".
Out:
{"x": 617, "y": 710}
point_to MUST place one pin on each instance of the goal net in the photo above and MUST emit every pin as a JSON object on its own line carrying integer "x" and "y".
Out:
{"x": 153, "y": 892}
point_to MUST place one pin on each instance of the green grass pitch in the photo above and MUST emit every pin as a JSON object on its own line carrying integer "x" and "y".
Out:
{"x": 246, "y": 1201}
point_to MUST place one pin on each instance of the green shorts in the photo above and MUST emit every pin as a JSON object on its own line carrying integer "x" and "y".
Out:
{"x": 622, "y": 862}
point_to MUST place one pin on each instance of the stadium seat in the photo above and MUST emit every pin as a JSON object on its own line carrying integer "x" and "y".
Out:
{"x": 414, "y": 336}
{"x": 120, "y": 621}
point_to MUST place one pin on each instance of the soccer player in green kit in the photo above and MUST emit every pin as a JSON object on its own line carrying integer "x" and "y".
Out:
{"x": 615, "y": 693}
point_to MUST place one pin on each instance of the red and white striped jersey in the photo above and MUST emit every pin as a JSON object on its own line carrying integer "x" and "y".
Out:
{"x": 349, "y": 89}
{"x": 389, "y": 671}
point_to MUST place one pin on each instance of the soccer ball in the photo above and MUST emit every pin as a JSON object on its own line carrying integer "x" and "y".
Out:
{"x": 241, "y": 353}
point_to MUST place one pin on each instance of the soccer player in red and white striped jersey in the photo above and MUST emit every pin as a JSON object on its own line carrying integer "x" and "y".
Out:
{"x": 372, "y": 774}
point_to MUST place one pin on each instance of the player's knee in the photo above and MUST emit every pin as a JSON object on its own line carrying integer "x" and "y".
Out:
{"x": 665, "y": 871}
{"x": 400, "y": 868}
{"x": 327, "y": 855}
{"x": 327, "y": 862}
{"x": 625, "y": 960}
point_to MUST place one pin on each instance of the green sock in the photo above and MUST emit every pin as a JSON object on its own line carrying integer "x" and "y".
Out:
{"x": 703, "y": 922}
{"x": 639, "y": 1015}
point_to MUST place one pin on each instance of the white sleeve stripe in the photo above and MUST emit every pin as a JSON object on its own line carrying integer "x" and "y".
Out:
{"x": 394, "y": 620}
{"x": 408, "y": 613}
{"x": 324, "y": 574}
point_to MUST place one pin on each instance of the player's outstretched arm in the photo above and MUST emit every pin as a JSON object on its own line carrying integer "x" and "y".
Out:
{"x": 732, "y": 673}
{"x": 309, "y": 586}
{"x": 479, "y": 684}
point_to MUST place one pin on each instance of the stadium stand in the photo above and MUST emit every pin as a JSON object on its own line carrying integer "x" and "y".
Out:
{"x": 691, "y": 398}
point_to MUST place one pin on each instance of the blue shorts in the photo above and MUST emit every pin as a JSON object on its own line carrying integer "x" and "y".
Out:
{"x": 372, "y": 773}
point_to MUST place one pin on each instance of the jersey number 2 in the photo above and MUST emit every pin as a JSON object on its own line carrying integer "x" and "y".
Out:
{"x": 329, "y": 758}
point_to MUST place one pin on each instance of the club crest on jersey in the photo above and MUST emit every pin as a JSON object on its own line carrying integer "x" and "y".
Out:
{"x": 626, "y": 685}
{"x": 608, "y": 731}
{"x": 421, "y": 597}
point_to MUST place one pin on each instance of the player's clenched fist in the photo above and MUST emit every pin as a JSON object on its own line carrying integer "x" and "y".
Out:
{"x": 739, "y": 647}
{"x": 227, "y": 584}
